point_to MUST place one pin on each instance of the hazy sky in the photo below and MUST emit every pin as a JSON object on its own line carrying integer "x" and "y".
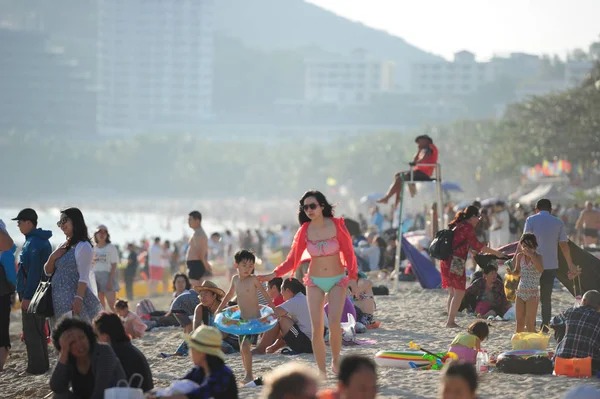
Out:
{"x": 482, "y": 26}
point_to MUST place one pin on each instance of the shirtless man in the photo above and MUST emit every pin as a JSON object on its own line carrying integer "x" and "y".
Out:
{"x": 196, "y": 257}
{"x": 589, "y": 219}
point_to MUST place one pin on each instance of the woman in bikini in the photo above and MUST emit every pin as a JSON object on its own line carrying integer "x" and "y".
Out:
{"x": 328, "y": 242}
{"x": 529, "y": 264}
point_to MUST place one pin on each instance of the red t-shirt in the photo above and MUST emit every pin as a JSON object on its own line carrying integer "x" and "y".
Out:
{"x": 279, "y": 300}
{"x": 427, "y": 155}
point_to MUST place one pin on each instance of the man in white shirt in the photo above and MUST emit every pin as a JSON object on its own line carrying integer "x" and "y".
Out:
{"x": 285, "y": 241}
{"x": 500, "y": 228}
{"x": 155, "y": 265}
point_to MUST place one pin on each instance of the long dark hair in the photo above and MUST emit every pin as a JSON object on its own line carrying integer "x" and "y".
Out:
{"x": 111, "y": 324}
{"x": 327, "y": 207}
{"x": 80, "y": 231}
{"x": 463, "y": 215}
{"x": 214, "y": 363}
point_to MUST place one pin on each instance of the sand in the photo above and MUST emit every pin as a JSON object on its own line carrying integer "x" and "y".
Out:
{"x": 413, "y": 314}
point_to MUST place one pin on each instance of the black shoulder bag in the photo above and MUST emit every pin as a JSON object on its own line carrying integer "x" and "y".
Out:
{"x": 41, "y": 302}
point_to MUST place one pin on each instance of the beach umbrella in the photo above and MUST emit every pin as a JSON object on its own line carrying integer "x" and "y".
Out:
{"x": 490, "y": 201}
{"x": 371, "y": 198}
{"x": 451, "y": 186}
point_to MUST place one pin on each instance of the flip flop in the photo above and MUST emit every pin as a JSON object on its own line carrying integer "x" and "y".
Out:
{"x": 288, "y": 351}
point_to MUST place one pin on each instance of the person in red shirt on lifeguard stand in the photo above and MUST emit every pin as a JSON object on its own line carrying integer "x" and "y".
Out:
{"x": 427, "y": 154}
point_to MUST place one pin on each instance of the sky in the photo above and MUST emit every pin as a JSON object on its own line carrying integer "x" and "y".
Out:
{"x": 485, "y": 27}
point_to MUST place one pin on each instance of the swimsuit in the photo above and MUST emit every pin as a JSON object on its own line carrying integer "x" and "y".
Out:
{"x": 321, "y": 248}
{"x": 196, "y": 269}
{"x": 530, "y": 280}
{"x": 590, "y": 232}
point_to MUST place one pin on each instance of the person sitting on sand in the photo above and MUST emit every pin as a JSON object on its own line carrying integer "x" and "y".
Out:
{"x": 364, "y": 302}
{"x": 466, "y": 345}
{"x": 134, "y": 326}
{"x": 109, "y": 330}
{"x": 294, "y": 326}
{"x": 582, "y": 331}
{"x": 246, "y": 288}
{"x": 485, "y": 296}
{"x": 459, "y": 381}
{"x": 291, "y": 380}
{"x": 85, "y": 367}
{"x": 214, "y": 378}
{"x": 274, "y": 290}
{"x": 357, "y": 379}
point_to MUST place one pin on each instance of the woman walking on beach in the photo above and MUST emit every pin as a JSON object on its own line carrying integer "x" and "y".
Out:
{"x": 454, "y": 277}
{"x": 105, "y": 261}
{"x": 70, "y": 266}
{"x": 328, "y": 242}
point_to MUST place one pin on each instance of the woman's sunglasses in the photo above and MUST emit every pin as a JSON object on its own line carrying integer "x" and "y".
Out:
{"x": 312, "y": 206}
{"x": 62, "y": 221}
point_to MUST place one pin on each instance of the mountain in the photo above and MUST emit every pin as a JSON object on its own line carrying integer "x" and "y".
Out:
{"x": 288, "y": 24}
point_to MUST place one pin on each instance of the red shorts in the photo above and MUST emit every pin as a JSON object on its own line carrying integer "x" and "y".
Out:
{"x": 451, "y": 280}
{"x": 156, "y": 273}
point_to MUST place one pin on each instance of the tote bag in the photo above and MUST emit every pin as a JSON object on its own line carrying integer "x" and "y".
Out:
{"x": 124, "y": 390}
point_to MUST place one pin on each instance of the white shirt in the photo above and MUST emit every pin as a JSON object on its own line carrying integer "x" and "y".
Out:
{"x": 285, "y": 238}
{"x": 297, "y": 308}
{"x": 155, "y": 255}
{"x": 503, "y": 217}
{"x": 166, "y": 258}
{"x": 83, "y": 258}
{"x": 105, "y": 257}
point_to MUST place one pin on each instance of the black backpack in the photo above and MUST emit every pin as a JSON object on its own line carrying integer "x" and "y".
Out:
{"x": 441, "y": 246}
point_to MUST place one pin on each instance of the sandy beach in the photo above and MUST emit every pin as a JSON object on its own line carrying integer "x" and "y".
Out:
{"x": 413, "y": 314}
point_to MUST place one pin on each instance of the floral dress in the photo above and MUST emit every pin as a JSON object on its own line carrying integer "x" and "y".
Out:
{"x": 464, "y": 239}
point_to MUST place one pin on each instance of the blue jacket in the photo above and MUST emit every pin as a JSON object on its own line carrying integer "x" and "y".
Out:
{"x": 7, "y": 259}
{"x": 35, "y": 253}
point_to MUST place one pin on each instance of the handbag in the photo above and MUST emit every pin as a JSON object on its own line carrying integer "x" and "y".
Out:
{"x": 125, "y": 391}
{"x": 457, "y": 266}
{"x": 41, "y": 302}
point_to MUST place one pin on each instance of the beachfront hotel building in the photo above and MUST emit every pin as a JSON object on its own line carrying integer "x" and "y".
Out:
{"x": 346, "y": 81}
{"x": 464, "y": 75}
{"x": 155, "y": 65}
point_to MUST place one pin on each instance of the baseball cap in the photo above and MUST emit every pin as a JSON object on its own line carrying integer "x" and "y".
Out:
{"x": 27, "y": 214}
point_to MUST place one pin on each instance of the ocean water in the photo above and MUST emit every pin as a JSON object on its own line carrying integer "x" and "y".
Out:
{"x": 124, "y": 227}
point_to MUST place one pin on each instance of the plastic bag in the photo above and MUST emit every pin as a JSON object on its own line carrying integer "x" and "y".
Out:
{"x": 528, "y": 340}
{"x": 510, "y": 314}
{"x": 349, "y": 329}
{"x": 511, "y": 282}
{"x": 124, "y": 390}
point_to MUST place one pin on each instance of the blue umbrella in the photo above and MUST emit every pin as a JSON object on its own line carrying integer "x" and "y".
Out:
{"x": 451, "y": 186}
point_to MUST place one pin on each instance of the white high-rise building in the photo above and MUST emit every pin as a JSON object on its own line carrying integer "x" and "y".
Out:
{"x": 155, "y": 65}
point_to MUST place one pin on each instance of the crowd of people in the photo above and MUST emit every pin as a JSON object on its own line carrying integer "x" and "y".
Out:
{"x": 92, "y": 329}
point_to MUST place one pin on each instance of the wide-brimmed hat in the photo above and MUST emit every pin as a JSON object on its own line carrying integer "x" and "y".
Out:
{"x": 212, "y": 287}
{"x": 207, "y": 340}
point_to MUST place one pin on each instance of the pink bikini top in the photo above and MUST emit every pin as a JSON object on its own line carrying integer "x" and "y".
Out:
{"x": 328, "y": 247}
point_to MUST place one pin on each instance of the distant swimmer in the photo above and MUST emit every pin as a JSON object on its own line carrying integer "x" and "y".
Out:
{"x": 589, "y": 220}
{"x": 197, "y": 253}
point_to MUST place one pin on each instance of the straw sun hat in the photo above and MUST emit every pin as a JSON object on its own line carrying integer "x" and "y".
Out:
{"x": 207, "y": 340}
{"x": 212, "y": 287}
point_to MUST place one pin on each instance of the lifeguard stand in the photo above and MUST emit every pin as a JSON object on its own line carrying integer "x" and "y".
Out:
{"x": 437, "y": 179}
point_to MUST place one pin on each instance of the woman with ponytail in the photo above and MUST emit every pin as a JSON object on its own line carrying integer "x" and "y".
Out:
{"x": 454, "y": 277}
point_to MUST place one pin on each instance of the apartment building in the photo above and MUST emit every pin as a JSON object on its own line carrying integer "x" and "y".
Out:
{"x": 463, "y": 75}
{"x": 155, "y": 65}
{"x": 347, "y": 81}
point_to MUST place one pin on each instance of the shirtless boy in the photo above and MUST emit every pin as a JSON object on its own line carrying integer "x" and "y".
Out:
{"x": 246, "y": 287}
{"x": 197, "y": 254}
{"x": 589, "y": 219}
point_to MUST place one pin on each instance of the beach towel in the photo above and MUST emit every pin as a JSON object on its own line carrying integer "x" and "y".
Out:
{"x": 428, "y": 275}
